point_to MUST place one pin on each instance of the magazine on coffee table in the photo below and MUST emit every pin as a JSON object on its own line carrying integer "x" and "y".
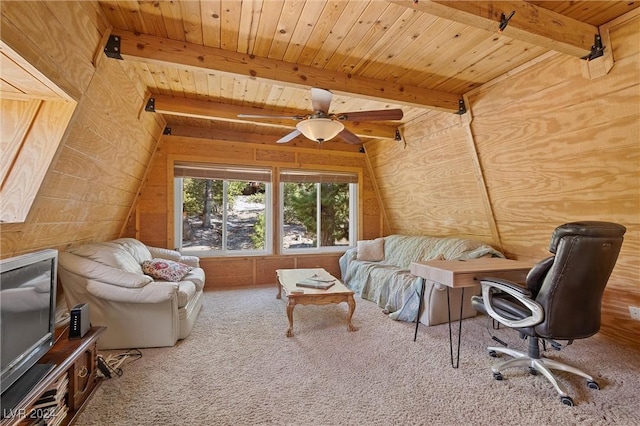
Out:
{"x": 316, "y": 281}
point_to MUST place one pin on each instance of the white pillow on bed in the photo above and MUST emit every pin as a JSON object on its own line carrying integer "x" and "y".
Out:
{"x": 371, "y": 250}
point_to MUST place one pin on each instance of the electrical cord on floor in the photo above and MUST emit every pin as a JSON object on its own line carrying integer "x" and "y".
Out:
{"x": 493, "y": 326}
{"x": 112, "y": 365}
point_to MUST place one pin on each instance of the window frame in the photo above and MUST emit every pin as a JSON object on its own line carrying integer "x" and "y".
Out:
{"x": 273, "y": 222}
{"x": 235, "y": 174}
{"x": 324, "y": 176}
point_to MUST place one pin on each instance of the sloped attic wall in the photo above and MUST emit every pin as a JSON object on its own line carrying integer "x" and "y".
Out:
{"x": 106, "y": 149}
{"x": 550, "y": 147}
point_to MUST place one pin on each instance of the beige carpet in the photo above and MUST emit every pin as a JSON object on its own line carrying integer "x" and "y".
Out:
{"x": 238, "y": 368}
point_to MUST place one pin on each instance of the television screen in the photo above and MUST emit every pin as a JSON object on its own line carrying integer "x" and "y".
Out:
{"x": 27, "y": 312}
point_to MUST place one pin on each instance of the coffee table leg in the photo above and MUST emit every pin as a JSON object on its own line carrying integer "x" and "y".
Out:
{"x": 279, "y": 290}
{"x": 352, "y": 308}
{"x": 290, "y": 305}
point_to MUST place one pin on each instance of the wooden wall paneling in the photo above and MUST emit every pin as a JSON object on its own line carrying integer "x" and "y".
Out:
{"x": 482, "y": 184}
{"x": 154, "y": 206}
{"x": 429, "y": 187}
{"x": 368, "y": 203}
{"x": 266, "y": 268}
{"x": 106, "y": 148}
{"x": 328, "y": 262}
{"x": 556, "y": 147}
{"x": 28, "y": 29}
{"x": 80, "y": 20}
{"x": 228, "y": 272}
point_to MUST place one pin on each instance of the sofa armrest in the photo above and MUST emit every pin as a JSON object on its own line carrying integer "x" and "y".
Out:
{"x": 344, "y": 261}
{"x": 155, "y": 292}
{"x": 98, "y": 272}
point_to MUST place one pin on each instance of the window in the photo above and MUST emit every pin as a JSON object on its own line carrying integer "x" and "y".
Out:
{"x": 222, "y": 209}
{"x": 317, "y": 210}
{"x": 34, "y": 114}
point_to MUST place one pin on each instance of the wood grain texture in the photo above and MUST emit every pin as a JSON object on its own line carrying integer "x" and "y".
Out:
{"x": 154, "y": 201}
{"x": 556, "y": 147}
{"x": 98, "y": 169}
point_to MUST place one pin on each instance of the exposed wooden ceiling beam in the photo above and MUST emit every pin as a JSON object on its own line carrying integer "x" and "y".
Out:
{"x": 530, "y": 23}
{"x": 213, "y": 110}
{"x": 150, "y": 49}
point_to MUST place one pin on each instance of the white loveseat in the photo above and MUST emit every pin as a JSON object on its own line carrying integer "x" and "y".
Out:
{"x": 378, "y": 270}
{"x": 137, "y": 309}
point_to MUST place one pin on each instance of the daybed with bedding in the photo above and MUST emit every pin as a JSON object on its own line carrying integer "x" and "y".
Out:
{"x": 378, "y": 270}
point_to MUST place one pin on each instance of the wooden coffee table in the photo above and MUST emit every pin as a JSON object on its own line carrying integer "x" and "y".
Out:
{"x": 287, "y": 279}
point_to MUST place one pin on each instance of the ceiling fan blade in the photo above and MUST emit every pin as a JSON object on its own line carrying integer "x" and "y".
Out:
{"x": 381, "y": 114}
{"x": 291, "y": 117}
{"x": 320, "y": 99}
{"x": 349, "y": 137}
{"x": 289, "y": 137}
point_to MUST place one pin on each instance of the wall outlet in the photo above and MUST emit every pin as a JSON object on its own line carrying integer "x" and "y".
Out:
{"x": 634, "y": 311}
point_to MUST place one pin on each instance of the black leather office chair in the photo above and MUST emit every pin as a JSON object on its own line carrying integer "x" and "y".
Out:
{"x": 560, "y": 301}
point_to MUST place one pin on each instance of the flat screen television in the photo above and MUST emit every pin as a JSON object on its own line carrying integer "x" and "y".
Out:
{"x": 27, "y": 321}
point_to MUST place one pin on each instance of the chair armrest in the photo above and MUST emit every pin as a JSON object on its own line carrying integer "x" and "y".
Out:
{"x": 521, "y": 294}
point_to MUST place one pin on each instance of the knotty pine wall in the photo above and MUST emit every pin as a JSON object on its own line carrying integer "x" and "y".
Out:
{"x": 101, "y": 162}
{"x": 539, "y": 148}
{"x": 153, "y": 219}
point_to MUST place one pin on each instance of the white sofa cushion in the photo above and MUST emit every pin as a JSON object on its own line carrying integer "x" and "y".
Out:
{"x": 135, "y": 248}
{"x": 108, "y": 254}
{"x": 94, "y": 270}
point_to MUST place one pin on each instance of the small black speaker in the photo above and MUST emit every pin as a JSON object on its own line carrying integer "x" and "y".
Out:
{"x": 79, "y": 321}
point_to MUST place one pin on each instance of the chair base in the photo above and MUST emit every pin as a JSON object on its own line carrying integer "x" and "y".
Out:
{"x": 540, "y": 365}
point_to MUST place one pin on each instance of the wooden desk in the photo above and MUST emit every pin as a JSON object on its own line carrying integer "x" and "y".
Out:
{"x": 465, "y": 273}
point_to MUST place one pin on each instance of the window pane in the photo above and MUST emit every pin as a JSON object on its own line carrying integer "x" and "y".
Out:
{"x": 223, "y": 215}
{"x": 202, "y": 214}
{"x": 245, "y": 205}
{"x": 300, "y": 218}
{"x": 334, "y": 219}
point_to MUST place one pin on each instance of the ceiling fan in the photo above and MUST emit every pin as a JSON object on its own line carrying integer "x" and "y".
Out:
{"x": 321, "y": 126}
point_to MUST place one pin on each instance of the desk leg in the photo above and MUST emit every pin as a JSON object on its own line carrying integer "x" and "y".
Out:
{"x": 457, "y": 363}
{"x": 415, "y": 335}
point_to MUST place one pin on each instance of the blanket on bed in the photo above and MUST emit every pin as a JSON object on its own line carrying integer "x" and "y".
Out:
{"x": 389, "y": 283}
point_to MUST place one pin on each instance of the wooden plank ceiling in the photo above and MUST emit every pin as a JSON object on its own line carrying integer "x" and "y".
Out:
{"x": 207, "y": 61}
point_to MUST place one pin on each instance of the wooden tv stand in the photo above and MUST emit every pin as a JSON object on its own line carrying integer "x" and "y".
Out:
{"x": 74, "y": 358}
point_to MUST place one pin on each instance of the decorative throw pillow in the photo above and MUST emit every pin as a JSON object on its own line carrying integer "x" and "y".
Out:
{"x": 371, "y": 250}
{"x": 167, "y": 270}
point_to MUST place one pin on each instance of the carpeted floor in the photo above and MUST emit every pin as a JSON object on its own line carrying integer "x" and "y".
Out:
{"x": 238, "y": 368}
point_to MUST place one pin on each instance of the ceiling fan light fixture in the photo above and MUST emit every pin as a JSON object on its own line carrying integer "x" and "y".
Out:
{"x": 320, "y": 129}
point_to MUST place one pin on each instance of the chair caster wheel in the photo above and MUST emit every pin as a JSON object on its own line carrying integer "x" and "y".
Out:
{"x": 493, "y": 354}
{"x": 533, "y": 371}
{"x": 498, "y": 376}
{"x": 592, "y": 384}
{"x": 566, "y": 400}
